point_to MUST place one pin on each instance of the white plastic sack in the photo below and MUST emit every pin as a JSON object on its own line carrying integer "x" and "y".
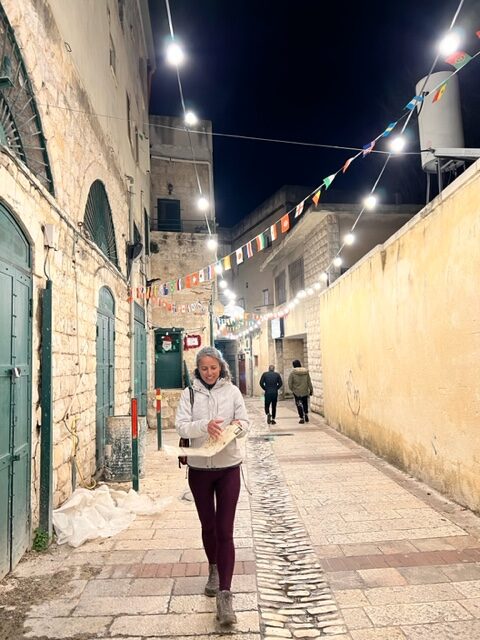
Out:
{"x": 87, "y": 515}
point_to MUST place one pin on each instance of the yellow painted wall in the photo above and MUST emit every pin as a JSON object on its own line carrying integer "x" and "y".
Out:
{"x": 400, "y": 336}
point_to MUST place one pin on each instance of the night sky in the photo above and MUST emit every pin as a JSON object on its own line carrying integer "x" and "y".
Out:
{"x": 315, "y": 71}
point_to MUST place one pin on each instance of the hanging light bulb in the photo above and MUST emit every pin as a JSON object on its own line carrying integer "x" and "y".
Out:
{"x": 324, "y": 276}
{"x": 175, "y": 55}
{"x": 191, "y": 119}
{"x": 202, "y": 203}
{"x": 218, "y": 269}
{"x": 337, "y": 262}
{"x": 370, "y": 202}
{"x": 310, "y": 291}
{"x": 317, "y": 286}
{"x": 397, "y": 145}
{"x": 302, "y": 294}
{"x": 212, "y": 243}
{"x": 349, "y": 239}
{"x": 223, "y": 284}
{"x": 449, "y": 43}
{"x": 231, "y": 295}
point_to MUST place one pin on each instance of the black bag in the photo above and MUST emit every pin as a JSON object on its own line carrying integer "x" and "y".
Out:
{"x": 185, "y": 442}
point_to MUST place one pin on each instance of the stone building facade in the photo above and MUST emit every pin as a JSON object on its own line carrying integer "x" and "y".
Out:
{"x": 71, "y": 218}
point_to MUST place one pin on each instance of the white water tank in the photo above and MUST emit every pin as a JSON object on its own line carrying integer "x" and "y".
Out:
{"x": 439, "y": 123}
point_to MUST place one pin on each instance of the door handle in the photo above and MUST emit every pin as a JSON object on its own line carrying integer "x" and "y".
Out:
{"x": 16, "y": 457}
{"x": 16, "y": 372}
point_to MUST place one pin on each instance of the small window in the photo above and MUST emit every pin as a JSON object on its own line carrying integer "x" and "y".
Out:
{"x": 241, "y": 302}
{"x": 146, "y": 232}
{"x": 265, "y": 297}
{"x": 295, "y": 277}
{"x": 280, "y": 288}
{"x": 113, "y": 57}
{"x": 255, "y": 360}
{"x": 121, "y": 11}
{"x": 168, "y": 215}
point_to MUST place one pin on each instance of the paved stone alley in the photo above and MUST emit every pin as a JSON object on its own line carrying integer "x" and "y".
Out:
{"x": 332, "y": 542}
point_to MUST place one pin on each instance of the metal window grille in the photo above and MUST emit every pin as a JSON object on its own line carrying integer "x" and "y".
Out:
{"x": 168, "y": 215}
{"x": 98, "y": 221}
{"x": 280, "y": 288}
{"x": 295, "y": 276}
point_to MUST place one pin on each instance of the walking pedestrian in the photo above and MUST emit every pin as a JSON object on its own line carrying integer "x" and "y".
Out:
{"x": 301, "y": 386}
{"x": 271, "y": 382}
{"x": 214, "y": 481}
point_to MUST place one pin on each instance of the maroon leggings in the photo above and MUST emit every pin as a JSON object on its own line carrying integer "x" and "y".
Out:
{"x": 216, "y": 495}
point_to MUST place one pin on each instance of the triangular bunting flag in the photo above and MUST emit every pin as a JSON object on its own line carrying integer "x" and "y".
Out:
{"x": 413, "y": 103}
{"x": 195, "y": 279}
{"x": 439, "y": 93}
{"x": 239, "y": 255}
{"x": 210, "y": 272}
{"x": 328, "y": 180}
{"x": 348, "y": 163}
{"x": 179, "y": 284}
{"x": 201, "y": 275}
{"x": 458, "y": 59}
{"x": 261, "y": 242}
{"x": 249, "y": 249}
{"x": 299, "y": 209}
{"x": 316, "y": 198}
{"x": 273, "y": 232}
{"x": 368, "y": 148}
{"x": 285, "y": 223}
{"x": 227, "y": 264}
{"x": 389, "y": 129}
{"x": 188, "y": 281}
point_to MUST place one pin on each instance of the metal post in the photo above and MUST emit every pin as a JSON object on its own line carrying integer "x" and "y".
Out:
{"x": 46, "y": 443}
{"x": 158, "y": 397}
{"x": 210, "y": 313}
{"x": 134, "y": 413}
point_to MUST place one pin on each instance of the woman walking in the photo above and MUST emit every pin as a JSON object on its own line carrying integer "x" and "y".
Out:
{"x": 215, "y": 481}
{"x": 301, "y": 387}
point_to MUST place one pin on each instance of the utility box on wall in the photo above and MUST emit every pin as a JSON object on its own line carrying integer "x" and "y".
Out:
{"x": 118, "y": 448}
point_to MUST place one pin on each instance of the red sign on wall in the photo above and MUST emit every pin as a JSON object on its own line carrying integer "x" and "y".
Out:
{"x": 192, "y": 342}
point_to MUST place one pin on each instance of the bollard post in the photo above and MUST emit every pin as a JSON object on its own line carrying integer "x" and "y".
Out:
{"x": 158, "y": 397}
{"x": 134, "y": 413}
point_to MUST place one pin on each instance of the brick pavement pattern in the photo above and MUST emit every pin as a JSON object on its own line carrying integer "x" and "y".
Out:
{"x": 401, "y": 561}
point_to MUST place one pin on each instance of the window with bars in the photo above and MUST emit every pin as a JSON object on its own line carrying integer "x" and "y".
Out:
{"x": 280, "y": 288}
{"x": 168, "y": 215}
{"x": 265, "y": 297}
{"x": 295, "y": 277}
{"x": 98, "y": 221}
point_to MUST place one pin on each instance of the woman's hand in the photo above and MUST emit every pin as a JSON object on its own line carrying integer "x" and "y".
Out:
{"x": 214, "y": 427}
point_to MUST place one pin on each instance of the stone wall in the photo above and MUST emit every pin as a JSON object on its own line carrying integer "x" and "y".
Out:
{"x": 400, "y": 344}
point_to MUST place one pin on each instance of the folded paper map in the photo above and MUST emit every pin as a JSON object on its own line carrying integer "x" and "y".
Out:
{"x": 211, "y": 446}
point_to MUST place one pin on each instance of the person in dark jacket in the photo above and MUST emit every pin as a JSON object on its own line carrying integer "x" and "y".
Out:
{"x": 301, "y": 387}
{"x": 271, "y": 381}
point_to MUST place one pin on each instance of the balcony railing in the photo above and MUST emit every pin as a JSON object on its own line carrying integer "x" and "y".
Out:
{"x": 181, "y": 226}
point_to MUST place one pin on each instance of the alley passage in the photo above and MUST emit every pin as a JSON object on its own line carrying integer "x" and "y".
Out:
{"x": 332, "y": 542}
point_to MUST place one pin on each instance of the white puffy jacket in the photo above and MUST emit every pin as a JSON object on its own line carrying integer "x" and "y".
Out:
{"x": 224, "y": 400}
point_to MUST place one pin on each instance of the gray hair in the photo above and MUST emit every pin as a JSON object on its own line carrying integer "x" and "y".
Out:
{"x": 212, "y": 352}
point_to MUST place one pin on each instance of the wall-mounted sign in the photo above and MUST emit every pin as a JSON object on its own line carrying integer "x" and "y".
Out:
{"x": 192, "y": 342}
{"x": 277, "y": 328}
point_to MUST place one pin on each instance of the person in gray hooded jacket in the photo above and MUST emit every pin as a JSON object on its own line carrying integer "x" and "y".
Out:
{"x": 215, "y": 481}
{"x": 301, "y": 386}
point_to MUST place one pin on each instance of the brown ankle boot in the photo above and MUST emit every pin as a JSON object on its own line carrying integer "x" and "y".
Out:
{"x": 225, "y": 614}
{"x": 211, "y": 588}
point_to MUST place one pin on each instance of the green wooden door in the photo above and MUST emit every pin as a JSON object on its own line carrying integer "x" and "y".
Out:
{"x": 140, "y": 368}
{"x": 15, "y": 392}
{"x": 168, "y": 358}
{"x": 105, "y": 350}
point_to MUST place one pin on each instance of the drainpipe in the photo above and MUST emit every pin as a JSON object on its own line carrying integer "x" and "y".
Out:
{"x": 132, "y": 308}
{"x": 46, "y": 437}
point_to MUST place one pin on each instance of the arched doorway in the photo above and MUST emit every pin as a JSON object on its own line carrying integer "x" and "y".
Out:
{"x": 15, "y": 391}
{"x": 105, "y": 350}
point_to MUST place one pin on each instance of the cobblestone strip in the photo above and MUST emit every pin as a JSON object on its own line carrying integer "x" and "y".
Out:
{"x": 294, "y": 599}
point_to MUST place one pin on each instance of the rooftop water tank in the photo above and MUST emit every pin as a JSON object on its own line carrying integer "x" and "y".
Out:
{"x": 440, "y": 123}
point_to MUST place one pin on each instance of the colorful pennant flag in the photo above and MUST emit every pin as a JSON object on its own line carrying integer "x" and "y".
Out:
{"x": 201, "y": 275}
{"x": 210, "y": 271}
{"x": 316, "y": 198}
{"x": 239, "y": 254}
{"x": 477, "y": 33}
{"x": 261, "y": 242}
{"x": 273, "y": 232}
{"x": 227, "y": 263}
{"x": 285, "y": 223}
{"x": 299, "y": 209}
{"x": 328, "y": 180}
{"x": 195, "y": 279}
{"x": 348, "y": 163}
{"x": 179, "y": 284}
{"x": 249, "y": 249}
{"x": 172, "y": 286}
{"x": 368, "y": 148}
{"x": 413, "y": 103}
{"x": 458, "y": 59}
{"x": 389, "y": 129}
{"x": 439, "y": 93}
{"x": 188, "y": 281}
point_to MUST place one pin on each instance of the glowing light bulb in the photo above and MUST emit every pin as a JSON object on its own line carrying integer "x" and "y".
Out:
{"x": 218, "y": 269}
{"x": 310, "y": 291}
{"x": 317, "y": 286}
{"x": 324, "y": 276}
{"x": 191, "y": 119}
{"x": 223, "y": 284}
{"x": 202, "y": 203}
{"x": 397, "y": 145}
{"x": 175, "y": 55}
{"x": 449, "y": 43}
{"x": 370, "y": 202}
{"x": 302, "y": 294}
{"x": 212, "y": 244}
{"x": 337, "y": 262}
{"x": 349, "y": 239}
